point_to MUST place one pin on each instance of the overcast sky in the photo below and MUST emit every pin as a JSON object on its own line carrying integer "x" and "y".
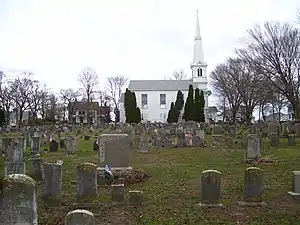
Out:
{"x": 140, "y": 39}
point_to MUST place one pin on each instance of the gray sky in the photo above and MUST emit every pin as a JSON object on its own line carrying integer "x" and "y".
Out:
{"x": 141, "y": 39}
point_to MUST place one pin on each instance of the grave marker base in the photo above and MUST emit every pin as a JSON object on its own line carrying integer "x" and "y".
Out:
{"x": 205, "y": 205}
{"x": 294, "y": 196}
{"x": 243, "y": 203}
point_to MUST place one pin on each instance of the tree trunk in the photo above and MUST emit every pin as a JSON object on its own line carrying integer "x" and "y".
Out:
{"x": 20, "y": 117}
{"x": 296, "y": 108}
{"x": 263, "y": 112}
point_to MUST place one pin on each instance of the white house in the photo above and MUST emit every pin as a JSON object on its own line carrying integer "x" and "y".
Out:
{"x": 154, "y": 97}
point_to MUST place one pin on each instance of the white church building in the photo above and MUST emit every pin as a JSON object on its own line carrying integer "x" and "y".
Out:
{"x": 154, "y": 97}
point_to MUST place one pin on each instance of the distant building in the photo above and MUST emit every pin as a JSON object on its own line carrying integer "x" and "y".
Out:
{"x": 14, "y": 117}
{"x": 277, "y": 117}
{"x": 154, "y": 97}
{"x": 212, "y": 113}
{"x": 290, "y": 112}
{"x": 82, "y": 112}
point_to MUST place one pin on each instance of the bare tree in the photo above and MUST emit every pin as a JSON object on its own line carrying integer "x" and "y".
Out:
{"x": 103, "y": 97}
{"x": 249, "y": 88}
{"x": 88, "y": 79}
{"x": 114, "y": 87}
{"x": 20, "y": 89}
{"x": 178, "y": 75}
{"x": 274, "y": 52}
{"x": 298, "y": 16}
{"x": 6, "y": 101}
{"x": 37, "y": 94}
{"x": 68, "y": 97}
{"x": 224, "y": 80}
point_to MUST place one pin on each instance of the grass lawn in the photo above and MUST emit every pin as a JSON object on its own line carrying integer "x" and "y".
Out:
{"x": 172, "y": 193}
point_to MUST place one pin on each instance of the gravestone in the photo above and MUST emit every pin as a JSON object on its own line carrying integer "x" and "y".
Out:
{"x": 36, "y": 168}
{"x": 117, "y": 193}
{"x": 295, "y": 193}
{"x": 135, "y": 198}
{"x": 297, "y": 129}
{"x": 18, "y": 200}
{"x": 14, "y": 168}
{"x": 252, "y": 129}
{"x": 95, "y": 145}
{"x": 52, "y": 184}
{"x": 198, "y": 141}
{"x": 253, "y": 187}
{"x": 114, "y": 150}
{"x": 35, "y": 146}
{"x": 53, "y": 146}
{"x": 215, "y": 140}
{"x": 291, "y": 140}
{"x": 86, "y": 182}
{"x": 210, "y": 188}
{"x": 71, "y": 145}
{"x": 62, "y": 143}
{"x": 14, "y": 151}
{"x": 274, "y": 140}
{"x": 144, "y": 145}
{"x": 253, "y": 147}
{"x": 80, "y": 217}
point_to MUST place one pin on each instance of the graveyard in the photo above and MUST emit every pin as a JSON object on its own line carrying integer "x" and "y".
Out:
{"x": 182, "y": 182}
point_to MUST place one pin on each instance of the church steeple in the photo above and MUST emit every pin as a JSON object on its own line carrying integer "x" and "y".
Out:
{"x": 198, "y": 65}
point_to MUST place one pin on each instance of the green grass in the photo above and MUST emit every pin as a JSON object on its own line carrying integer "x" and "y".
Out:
{"x": 172, "y": 192}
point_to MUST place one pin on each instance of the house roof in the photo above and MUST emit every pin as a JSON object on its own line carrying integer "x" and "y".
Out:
{"x": 159, "y": 85}
{"x": 84, "y": 105}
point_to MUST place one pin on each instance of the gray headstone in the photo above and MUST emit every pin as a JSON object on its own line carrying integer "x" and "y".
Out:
{"x": 52, "y": 183}
{"x": 80, "y": 217}
{"x": 86, "y": 181}
{"x": 253, "y": 184}
{"x": 14, "y": 168}
{"x": 117, "y": 193}
{"x": 135, "y": 198}
{"x": 210, "y": 187}
{"x": 115, "y": 151}
{"x": 296, "y": 181}
{"x": 18, "y": 201}
{"x": 36, "y": 168}
{"x": 253, "y": 147}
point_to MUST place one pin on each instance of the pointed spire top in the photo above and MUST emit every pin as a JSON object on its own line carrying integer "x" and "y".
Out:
{"x": 197, "y": 36}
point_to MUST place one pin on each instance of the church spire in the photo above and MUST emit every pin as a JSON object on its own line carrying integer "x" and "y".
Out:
{"x": 198, "y": 47}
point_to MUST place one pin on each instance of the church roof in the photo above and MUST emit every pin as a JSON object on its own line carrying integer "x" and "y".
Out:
{"x": 159, "y": 85}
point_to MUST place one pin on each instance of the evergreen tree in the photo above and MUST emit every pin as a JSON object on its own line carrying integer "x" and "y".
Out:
{"x": 179, "y": 100}
{"x": 179, "y": 104}
{"x": 202, "y": 105}
{"x": 138, "y": 115}
{"x": 188, "y": 108}
{"x": 197, "y": 106}
{"x": 172, "y": 114}
{"x": 132, "y": 112}
{"x": 127, "y": 97}
{"x": 2, "y": 116}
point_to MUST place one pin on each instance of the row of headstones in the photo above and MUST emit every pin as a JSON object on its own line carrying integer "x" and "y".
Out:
{"x": 275, "y": 127}
{"x": 253, "y": 187}
{"x": 69, "y": 144}
{"x": 20, "y": 189}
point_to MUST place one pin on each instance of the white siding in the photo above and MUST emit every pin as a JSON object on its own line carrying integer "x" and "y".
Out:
{"x": 154, "y": 112}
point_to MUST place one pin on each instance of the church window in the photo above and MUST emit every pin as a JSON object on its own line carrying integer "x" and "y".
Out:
{"x": 162, "y": 100}
{"x": 144, "y": 101}
{"x": 199, "y": 72}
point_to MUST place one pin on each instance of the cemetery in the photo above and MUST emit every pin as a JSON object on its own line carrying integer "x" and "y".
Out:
{"x": 150, "y": 152}
{"x": 180, "y": 173}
